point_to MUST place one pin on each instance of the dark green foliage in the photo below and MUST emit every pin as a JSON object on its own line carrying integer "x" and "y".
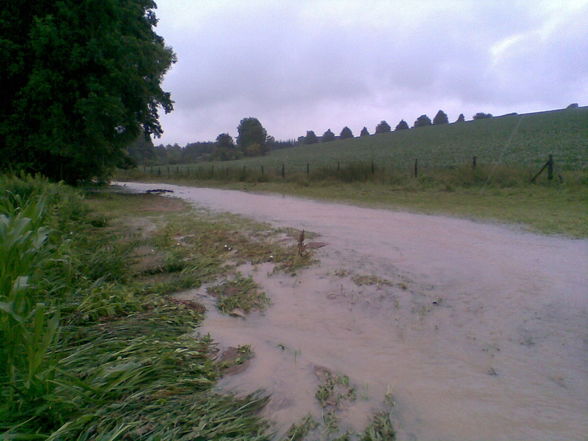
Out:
{"x": 482, "y": 115}
{"x": 364, "y": 132}
{"x": 80, "y": 81}
{"x": 225, "y": 140}
{"x": 191, "y": 152}
{"x": 141, "y": 150}
{"x": 346, "y": 133}
{"x": 440, "y": 118}
{"x": 277, "y": 145}
{"x": 328, "y": 136}
{"x": 402, "y": 125}
{"x": 422, "y": 121}
{"x": 572, "y": 106}
{"x": 310, "y": 138}
{"x": 460, "y": 118}
{"x": 225, "y": 149}
{"x": 252, "y": 137}
{"x": 383, "y": 127}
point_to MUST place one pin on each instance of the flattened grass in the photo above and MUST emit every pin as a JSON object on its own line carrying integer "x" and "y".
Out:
{"x": 90, "y": 352}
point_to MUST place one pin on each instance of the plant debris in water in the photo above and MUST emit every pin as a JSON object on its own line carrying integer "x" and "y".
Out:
{"x": 239, "y": 296}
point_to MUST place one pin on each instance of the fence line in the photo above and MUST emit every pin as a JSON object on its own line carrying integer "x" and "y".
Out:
{"x": 357, "y": 170}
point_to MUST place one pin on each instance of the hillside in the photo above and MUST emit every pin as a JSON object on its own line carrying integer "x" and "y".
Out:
{"x": 525, "y": 140}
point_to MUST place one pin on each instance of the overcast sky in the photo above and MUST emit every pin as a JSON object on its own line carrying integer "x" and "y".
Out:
{"x": 300, "y": 65}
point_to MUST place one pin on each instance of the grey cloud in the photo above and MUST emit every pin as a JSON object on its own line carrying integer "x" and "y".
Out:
{"x": 300, "y": 65}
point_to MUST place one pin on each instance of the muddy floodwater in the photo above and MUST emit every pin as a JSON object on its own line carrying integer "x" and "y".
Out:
{"x": 477, "y": 331}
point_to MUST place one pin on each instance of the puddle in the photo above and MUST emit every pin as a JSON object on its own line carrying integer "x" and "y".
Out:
{"x": 480, "y": 333}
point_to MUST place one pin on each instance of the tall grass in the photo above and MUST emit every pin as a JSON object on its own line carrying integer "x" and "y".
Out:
{"x": 28, "y": 326}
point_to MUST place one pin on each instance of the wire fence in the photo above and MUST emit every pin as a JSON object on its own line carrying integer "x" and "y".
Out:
{"x": 344, "y": 171}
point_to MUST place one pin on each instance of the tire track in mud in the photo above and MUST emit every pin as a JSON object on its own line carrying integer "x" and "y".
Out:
{"x": 478, "y": 331}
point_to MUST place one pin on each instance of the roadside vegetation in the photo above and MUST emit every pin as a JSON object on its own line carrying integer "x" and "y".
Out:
{"x": 92, "y": 349}
{"x": 94, "y": 344}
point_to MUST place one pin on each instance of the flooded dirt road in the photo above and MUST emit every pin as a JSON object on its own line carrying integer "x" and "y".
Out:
{"x": 478, "y": 332}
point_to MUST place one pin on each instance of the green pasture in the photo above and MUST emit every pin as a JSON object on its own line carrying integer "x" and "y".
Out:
{"x": 517, "y": 140}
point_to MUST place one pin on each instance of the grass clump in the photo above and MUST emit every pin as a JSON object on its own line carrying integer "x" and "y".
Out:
{"x": 369, "y": 280}
{"x": 334, "y": 390}
{"x": 239, "y": 294}
{"x": 299, "y": 432}
{"x": 379, "y": 429}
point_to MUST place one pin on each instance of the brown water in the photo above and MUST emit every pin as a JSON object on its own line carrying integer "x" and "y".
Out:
{"x": 481, "y": 335}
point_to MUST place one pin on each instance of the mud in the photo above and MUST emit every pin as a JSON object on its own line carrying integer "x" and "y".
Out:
{"x": 478, "y": 332}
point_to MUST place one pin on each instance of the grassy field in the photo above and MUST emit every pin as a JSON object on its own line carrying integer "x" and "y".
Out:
{"x": 524, "y": 141}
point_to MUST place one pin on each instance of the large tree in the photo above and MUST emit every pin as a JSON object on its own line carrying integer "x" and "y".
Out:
{"x": 422, "y": 121}
{"x": 141, "y": 150}
{"x": 225, "y": 140}
{"x": 383, "y": 127}
{"x": 252, "y": 137}
{"x": 482, "y": 115}
{"x": 81, "y": 79}
{"x": 346, "y": 133}
{"x": 402, "y": 125}
{"x": 224, "y": 149}
{"x": 364, "y": 132}
{"x": 328, "y": 136}
{"x": 310, "y": 137}
{"x": 440, "y": 118}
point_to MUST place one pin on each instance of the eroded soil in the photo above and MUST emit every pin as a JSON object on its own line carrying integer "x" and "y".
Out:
{"x": 477, "y": 332}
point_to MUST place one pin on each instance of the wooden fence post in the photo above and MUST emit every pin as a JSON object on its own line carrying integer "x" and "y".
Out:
{"x": 283, "y": 170}
{"x": 262, "y": 170}
{"x": 474, "y": 162}
{"x": 373, "y": 167}
{"x": 549, "y": 166}
{"x": 416, "y": 168}
{"x": 338, "y": 166}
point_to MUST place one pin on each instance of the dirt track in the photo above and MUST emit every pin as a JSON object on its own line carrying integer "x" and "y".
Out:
{"x": 478, "y": 331}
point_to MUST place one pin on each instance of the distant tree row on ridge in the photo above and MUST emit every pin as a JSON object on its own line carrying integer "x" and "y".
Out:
{"x": 384, "y": 127}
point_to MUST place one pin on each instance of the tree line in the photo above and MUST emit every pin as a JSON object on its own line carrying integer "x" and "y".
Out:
{"x": 253, "y": 140}
{"x": 384, "y": 127}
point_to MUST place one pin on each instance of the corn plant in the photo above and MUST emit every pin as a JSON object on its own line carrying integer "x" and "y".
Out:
{"x": 27, "y": 327}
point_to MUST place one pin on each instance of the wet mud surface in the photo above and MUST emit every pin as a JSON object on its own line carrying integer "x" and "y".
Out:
{"x": 477, "y": 332}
